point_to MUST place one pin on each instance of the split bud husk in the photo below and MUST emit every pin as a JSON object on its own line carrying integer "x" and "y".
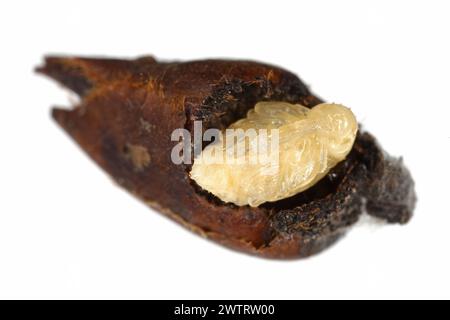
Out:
{"x": 278, "y": 150}
{"x": 130, "y": 108}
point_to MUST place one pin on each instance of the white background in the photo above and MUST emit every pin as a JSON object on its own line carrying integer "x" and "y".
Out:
{"x": 66, "y": 231}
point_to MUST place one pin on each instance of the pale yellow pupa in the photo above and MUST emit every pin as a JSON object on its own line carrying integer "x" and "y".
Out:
{"x": 296, "y": 148}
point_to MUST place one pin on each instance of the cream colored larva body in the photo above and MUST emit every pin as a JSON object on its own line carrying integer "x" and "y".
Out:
{"x": 296, "y": 148}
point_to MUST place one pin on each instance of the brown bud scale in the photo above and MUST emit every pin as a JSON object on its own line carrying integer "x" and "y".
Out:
{"x": 129, "y": 109}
